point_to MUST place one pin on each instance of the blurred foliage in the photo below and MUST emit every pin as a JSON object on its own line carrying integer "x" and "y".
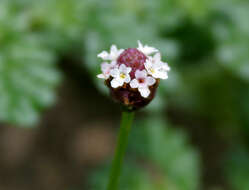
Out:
{"x": 25, "y": 87}
{"x": 27, "y": 72}
{"x": 158, "y": 158}
{"x": 205, "y": 42}
{"x": 237, "y": 168}
{"x": 231, "y": 30}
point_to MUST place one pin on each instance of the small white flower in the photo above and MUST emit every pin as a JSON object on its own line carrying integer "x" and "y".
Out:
{"x": 106, "y": 69}
{"x": 147, "y": 50}
{"x": 142, "y": 82}
{"x": 113, "y": 55}
{"x": 120, "y": 76}
{"x": 156, "y": 67}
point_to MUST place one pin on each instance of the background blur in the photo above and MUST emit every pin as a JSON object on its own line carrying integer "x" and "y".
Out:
{"x": 58, "y": 125}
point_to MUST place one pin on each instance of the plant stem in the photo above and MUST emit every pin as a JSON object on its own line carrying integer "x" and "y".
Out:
{"x": 126, "y": 121}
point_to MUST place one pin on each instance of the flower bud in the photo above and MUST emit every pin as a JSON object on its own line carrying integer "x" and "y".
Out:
{"x": 133, "y": 75}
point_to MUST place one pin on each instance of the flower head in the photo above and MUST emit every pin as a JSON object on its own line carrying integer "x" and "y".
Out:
{"x": 133, "y": 74}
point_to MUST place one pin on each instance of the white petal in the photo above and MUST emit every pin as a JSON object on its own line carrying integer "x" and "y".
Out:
{"x": 148, "y": 64}
{"x": 103, "y": 55}
{"x": 105, "y": 67}
{"x": 157, "y": 57}
{"x": 128, "y": 70}
{"x": 122, "y": 68}
{"x": 143, "y": 85}
{"x": 150, "y": 81}
{"x": 101, "y": 76}
{"x": 140, "y": 45}
{"x": 156, "y": 75}
{"x": 149, "y": 50}
{"x": 114, "y": 72}
{"x": 161, "y": 75}
{"x": 140, "y": 74}
{"x": 127, "y": 79}
{"x": 113, "y": 63}
{"x": 134, "y": 83}
{"x": 120, "y": 51}
{"x": 115, "y": 52}
{"x": 145, "y": 49}
{"x": 145, "y": 92}
{"x": 114, "y": 49}
{"x": 116, "y": 83}
{"x": 157, "y": 65}
{"x": 165, "y": 66}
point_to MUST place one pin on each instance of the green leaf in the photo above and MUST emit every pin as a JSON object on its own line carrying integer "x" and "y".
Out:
{"x": 232, "y": 34}
{"x": 28, "y": 78}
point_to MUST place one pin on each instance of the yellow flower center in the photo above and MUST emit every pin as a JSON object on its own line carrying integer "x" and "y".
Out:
{"x": 122, "y": 75}
{"x": 152, "y": 70}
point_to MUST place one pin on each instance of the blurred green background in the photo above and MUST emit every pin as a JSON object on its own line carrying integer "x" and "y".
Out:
{"x": 58, "y": 124}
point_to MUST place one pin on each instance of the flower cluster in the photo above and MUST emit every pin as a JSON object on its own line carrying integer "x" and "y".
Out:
{"x": 133, "y": 70}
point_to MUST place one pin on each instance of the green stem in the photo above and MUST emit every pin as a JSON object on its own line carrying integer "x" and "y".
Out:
{"x": 127, "y": 118}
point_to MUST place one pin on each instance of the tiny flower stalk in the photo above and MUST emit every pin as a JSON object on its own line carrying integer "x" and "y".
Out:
{"x": 132, "y": 76}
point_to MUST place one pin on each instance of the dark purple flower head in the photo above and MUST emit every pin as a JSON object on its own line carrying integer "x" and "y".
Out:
{"x": 133, "y": 75}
